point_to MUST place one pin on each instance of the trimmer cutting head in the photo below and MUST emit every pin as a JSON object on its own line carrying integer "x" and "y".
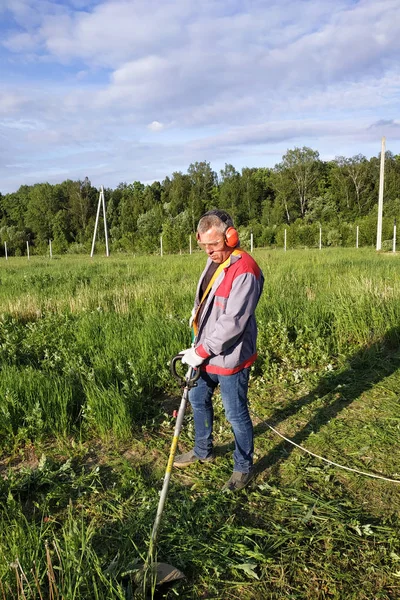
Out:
{"x": 159, "y": 573}
{"x": 149, "y": 578}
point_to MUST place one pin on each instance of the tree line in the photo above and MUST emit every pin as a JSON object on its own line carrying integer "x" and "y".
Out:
{"x": 300, "y": 194}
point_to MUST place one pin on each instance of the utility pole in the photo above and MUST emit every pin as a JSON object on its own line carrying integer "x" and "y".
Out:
{"x": 380, "y": 200}
{"x": 101, "y": 204}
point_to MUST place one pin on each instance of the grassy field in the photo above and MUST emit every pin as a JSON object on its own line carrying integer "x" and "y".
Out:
{"x": 86, "y": 402}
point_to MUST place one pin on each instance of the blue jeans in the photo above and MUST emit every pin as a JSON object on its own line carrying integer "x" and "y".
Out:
{"x": 234, "y": 397}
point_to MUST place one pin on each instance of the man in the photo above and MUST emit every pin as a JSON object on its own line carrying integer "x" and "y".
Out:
{"x": 225, "y": 343}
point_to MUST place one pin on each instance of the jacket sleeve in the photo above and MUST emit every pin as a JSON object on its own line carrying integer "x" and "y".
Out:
{"x": 241, "y": 304}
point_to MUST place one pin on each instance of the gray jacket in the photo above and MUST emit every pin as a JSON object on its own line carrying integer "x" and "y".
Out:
{"x": 227, "y": 331}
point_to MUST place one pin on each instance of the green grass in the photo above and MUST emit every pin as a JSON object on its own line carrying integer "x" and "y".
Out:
{"x": 86, "y": 400}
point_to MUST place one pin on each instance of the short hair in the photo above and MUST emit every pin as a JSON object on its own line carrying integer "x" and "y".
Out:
{"x": 219, "y": 219}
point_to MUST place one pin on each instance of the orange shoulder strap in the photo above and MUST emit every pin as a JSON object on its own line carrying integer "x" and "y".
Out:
{"x": 221, "y": 267}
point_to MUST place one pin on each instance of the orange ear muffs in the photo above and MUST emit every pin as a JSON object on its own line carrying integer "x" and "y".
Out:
{"x": 231, "y": 237}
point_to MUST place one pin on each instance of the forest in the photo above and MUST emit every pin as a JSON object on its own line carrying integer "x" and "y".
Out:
{"x": 300, "y": 194}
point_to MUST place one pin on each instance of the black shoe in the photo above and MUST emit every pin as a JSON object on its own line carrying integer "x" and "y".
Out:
{"x": 237, "y": 481}
{"x": 184, "y": 460}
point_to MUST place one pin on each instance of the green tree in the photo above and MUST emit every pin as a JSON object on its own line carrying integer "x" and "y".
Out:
{"x": 230, "y": 193}
{"x": 152, "y": 196}
{"x": 391, "y": 200}
{"x": 300, "y": 168}
{"x": 149, "y": 228}
{"x": 284, "y": 208}
{"x": 83, "y": 199}
{"x": 132, "y": 205}
{"x": 255, "y": 187}
{"x": 14, "y": 238}
{"x": 114, "y": 212}
{"x": 14, "y": 207}
{"x": 60, "y": 229}
{"x": 352, "y": 175}
{"x": 44, "y": 203}
{"x": 203, "y": 180}
{"x": 175, "y": 232}
{"x": 179, "y": 193}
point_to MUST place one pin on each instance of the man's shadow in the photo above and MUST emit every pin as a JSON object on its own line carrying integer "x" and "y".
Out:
{"x": 364, "y": 369}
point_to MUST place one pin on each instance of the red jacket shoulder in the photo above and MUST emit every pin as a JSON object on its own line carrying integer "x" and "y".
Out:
{"x": 246, "y": 264}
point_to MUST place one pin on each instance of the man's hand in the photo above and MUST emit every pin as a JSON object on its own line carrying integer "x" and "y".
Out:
{"x": 191, "y": 358}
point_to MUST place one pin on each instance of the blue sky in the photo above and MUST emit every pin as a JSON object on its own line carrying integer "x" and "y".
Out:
{"x": 135, "y": 90}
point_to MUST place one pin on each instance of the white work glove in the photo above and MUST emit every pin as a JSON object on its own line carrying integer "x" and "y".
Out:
{"x": 191, "y": 358}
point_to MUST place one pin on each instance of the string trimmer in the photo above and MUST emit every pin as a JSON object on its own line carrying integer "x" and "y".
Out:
{"x": 153, "y": 573}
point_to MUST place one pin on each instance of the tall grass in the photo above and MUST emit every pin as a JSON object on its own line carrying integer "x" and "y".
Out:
{"x": 85, "y": 345}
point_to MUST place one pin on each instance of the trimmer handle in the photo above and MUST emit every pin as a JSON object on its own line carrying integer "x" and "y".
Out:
{"x": 191, "y": 376}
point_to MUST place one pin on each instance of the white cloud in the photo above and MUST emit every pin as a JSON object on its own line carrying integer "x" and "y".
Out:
{"x": 20, "y": 124}
{"x": 10, "y": 102}
{"x": 114, "y": 32}
{"x": 227, "y": 79}
{"x": 293, "y": 130}
{"x": 20, "y": 42}
{"x": 155, "y": 126}
{"x": 142, "y": 70}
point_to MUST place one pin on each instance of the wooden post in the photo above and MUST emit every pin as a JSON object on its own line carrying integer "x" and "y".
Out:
{"x": 51, "y": 251}
{"x": 320, "y": 238}
{"x": 27, "y": 249}
{"x": 251, "y": 242}
{"x": 380, "y": 200}
{"x": 5, "y": 250}
{"x": 357, "y": 232}
{"x": 394, "y": 236}
{"x": 161, "y": 246}
{"x": 284, "y": 244}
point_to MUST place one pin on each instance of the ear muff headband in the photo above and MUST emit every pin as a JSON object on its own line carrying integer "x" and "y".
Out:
{"x": 222, "y": 216}
{"x": 231, "y": 234}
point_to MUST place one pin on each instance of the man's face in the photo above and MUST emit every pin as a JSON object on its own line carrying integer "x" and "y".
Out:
{"x": 213, "y": 242}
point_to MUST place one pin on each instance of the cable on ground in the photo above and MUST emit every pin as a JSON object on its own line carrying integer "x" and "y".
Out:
{"x": 330, "y": 462}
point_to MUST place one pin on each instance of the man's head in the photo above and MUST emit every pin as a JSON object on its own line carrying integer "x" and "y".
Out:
{"x": 216, "y": 235}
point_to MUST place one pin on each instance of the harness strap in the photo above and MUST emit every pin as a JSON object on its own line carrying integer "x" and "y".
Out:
{"x": 221, "y": 267}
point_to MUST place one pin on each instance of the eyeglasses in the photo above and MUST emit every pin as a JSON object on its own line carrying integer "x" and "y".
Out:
{"x": 211, "y": 245}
